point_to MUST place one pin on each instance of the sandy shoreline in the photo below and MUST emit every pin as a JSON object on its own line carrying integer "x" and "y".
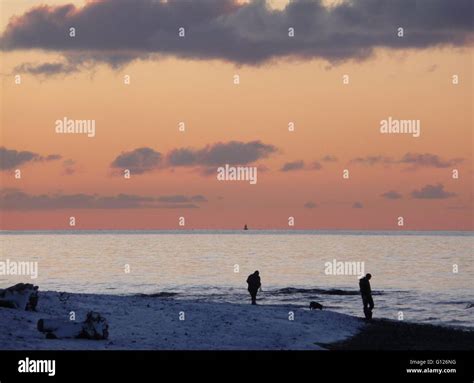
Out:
{"x": 153, "y": 323}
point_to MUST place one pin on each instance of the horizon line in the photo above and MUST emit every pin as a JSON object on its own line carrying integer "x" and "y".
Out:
{"x": 233, "y": 231}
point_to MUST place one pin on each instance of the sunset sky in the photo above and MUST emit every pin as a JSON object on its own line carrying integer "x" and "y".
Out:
{"x": 282, "y": 79}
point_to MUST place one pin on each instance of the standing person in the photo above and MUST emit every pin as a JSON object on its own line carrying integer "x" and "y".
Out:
{"x": 254, "y": 284}
{"x": 366, "y": 293}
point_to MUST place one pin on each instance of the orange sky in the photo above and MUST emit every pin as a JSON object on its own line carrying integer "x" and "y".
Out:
{"x": 331, "y": 119}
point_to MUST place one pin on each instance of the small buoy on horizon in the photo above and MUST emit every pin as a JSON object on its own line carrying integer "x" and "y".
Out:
{"x": 245, "y": 227}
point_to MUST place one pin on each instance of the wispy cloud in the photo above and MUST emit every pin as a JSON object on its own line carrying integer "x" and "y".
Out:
{"x": 413, "y": 160}
{"x": 392, "y": 194}
{"x": 373, "y": 160}
{"x": 428, "y": 160}
{"x": 291, "y": 166}
{"x": 47, "y": 69}
{"x": 11, "y": 158}
{"x": 329, "y": 158}
{"x": 300, "y": 165}
{"x": 182, "y": 198}
{"x": 432, "y": 192}
{"x": 69, "y": 167}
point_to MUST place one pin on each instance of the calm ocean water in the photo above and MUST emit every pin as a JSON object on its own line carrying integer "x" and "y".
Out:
{"x": 412, "y": 272}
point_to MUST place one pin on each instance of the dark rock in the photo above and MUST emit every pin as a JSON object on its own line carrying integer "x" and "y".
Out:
{"x": 315, "y": 306}
{"x": 94, "y": 327}
{"x": 23, "y": 296}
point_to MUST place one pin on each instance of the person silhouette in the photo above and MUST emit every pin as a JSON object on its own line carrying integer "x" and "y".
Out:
{"x": 366, "y": 294}
{"x": 254, "y": 284}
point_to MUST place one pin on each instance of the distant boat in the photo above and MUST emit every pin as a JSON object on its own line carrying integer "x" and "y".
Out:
{"x": 245, "y": 227}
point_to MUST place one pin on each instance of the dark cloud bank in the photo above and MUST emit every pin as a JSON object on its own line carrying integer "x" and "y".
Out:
{"x": 118, "y": 31}
{"x": 14, "y": 199}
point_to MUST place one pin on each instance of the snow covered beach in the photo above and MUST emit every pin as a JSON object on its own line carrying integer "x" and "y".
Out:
{"x": 160, "y": 322}
{"x": 163, "y": 323}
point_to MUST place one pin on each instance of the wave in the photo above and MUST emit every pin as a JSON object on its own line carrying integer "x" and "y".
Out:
{"x": 468, "y": 304}
{"x": 163, "y": 294}
{"x": 294, "y": 290}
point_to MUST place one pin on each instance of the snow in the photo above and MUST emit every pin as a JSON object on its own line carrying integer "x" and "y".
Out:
{"x": 143, "y": 322}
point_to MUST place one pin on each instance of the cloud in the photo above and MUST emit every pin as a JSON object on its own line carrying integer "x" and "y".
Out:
{"x": 392, "y": 194}
{"x": 372, "y": 160}
{"x": 183, "y": 157}
{"x": 138, "y": 161}
{"x": 300, "y": 165}
{"x": 10, "y": 158}
{"x": 291, "y": 166}
{"x": 432, "y": 192}
{"x": 118, "y": 32}
{"x": 310, "y": 205}
{"x": 329, "y": 158}
{"x": 458, "y": 207}
{"x": 51, "y": 157}
{"x": 415, "y": 160}
{"x": 198, "y": 198}
{"x": 47, "y": 69}
{"x": 218, "y": 154}
{"x": 182, "y": 198}
{"x": 357, "y": 205}
{"x": 14, "y": 199}
{"x": 428, "y": 160}
{"x": 69, "y": 171}
{"x": 69, "y": 167}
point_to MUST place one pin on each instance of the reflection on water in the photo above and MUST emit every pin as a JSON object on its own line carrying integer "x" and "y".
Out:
{"x": 413, "y": 273}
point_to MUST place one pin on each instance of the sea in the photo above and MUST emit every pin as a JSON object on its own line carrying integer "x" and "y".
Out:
{"x": 423, "y": 277}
